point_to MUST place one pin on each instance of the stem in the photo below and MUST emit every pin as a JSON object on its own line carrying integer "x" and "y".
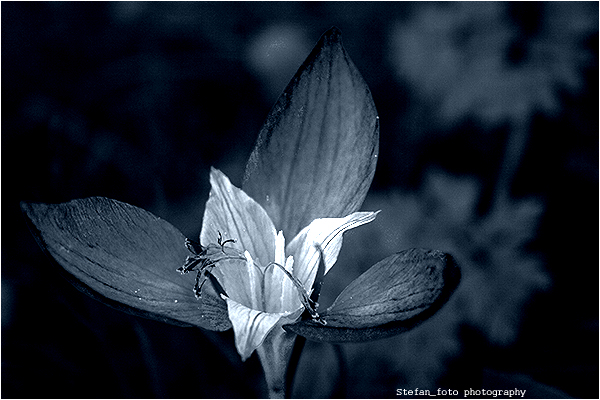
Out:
{"x": 280, "y": 352}
{"x": 497, "y": 192}
{"x": 149, "y": 358}
{"x": 511, "y": 160}
{"x": 274, "y": 356}
{"x": 300, "y": 340}
{"x": 293, "y": 365}
{"x": 341, "y": 384}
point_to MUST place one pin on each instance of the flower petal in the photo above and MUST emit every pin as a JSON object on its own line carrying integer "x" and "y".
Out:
{"x": 393, "y": 296}
{"x": 241, "y": 280}
{"x": 327, "y": 232}
{"x": 232, "y": 214}
{"x": 315, "y": 156}
{"x": 126, "y": 257}
{"x": 251, "y": 326}
{"x": 280, "y": 293}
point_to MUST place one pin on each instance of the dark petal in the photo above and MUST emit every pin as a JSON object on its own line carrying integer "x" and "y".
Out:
{"x": 316, "y": 153}
{"x": 125, "y": 257}
{"x": 393, "y": 296}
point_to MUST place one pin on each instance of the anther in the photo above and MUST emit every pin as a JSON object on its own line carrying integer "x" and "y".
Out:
{"x": 194, "y": 247}
{"x": 204, "y": 259}
{"x": 222, "y": 243}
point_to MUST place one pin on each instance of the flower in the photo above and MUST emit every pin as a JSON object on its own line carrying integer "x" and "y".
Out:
{"x": 260, "y": 295}
{"x": 306, "y": 178}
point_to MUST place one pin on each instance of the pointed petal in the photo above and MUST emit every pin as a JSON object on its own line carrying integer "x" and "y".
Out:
{"x": 126, "y": 257}
{"x": 315, "y": 156}
{"x": 232, "y": 213}
{"x": 393, "y": 296}
{"x": 280, "y": 248}
{"x": 251, "y": 326}
{"x": 328, "y": 233}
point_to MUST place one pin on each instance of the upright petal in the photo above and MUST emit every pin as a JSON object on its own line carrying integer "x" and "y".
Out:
{"x": 280, "y": 249}
{"x": 232, "y": 214}
{"x": 316, "y": 153}
{"x": 327, "y": 232}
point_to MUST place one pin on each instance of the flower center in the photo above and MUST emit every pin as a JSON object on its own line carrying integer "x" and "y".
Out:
{"x": 204, "y": 258}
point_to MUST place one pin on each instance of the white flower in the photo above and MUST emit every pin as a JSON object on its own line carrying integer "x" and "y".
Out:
{"x": 260, "y": 296}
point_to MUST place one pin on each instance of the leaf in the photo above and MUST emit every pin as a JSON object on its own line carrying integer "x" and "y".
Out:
{"x": 391, "y": 297}
{"x": 125, "y": 257}
{"x": 316, "y": 153}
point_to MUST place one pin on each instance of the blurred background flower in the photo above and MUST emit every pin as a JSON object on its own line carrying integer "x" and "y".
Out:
{"x": 493, "y": 60}
{"x": 489, "y": 151}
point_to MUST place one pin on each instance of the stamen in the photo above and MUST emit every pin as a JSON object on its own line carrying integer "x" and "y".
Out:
{"x": 316, "y": 289}
{"x": 204, "y": 259}
{"x": 307, "y": 302}
{"x": 194, "y": 247}
{"x": 222, "y": 243}
{"x": 200, "y": 279}
{"x": 190, "y": 263}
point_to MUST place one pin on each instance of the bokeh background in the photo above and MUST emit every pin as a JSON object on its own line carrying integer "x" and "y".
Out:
{"x": 489, "y": 150}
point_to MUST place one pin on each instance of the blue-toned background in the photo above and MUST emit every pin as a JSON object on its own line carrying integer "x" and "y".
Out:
{"x": 489, "y": 151}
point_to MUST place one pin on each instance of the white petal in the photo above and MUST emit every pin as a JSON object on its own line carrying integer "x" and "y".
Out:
{"x": 235, "y": 215}
{"x": 280, "y": 293}
{"x": 254, "y": 278}
{"x": 250, "y": 326}
{"x": 280, "y": 249}
{"x": 241, "y": 280}
{"x": 290, "y": 298}
{"x": 327, "y": 232}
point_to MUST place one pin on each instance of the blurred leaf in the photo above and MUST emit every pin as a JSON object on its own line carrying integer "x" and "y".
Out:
{"x": 125, "y": 257}
{"x": 316, "y": 154}
{"x": 393, "y": 296}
